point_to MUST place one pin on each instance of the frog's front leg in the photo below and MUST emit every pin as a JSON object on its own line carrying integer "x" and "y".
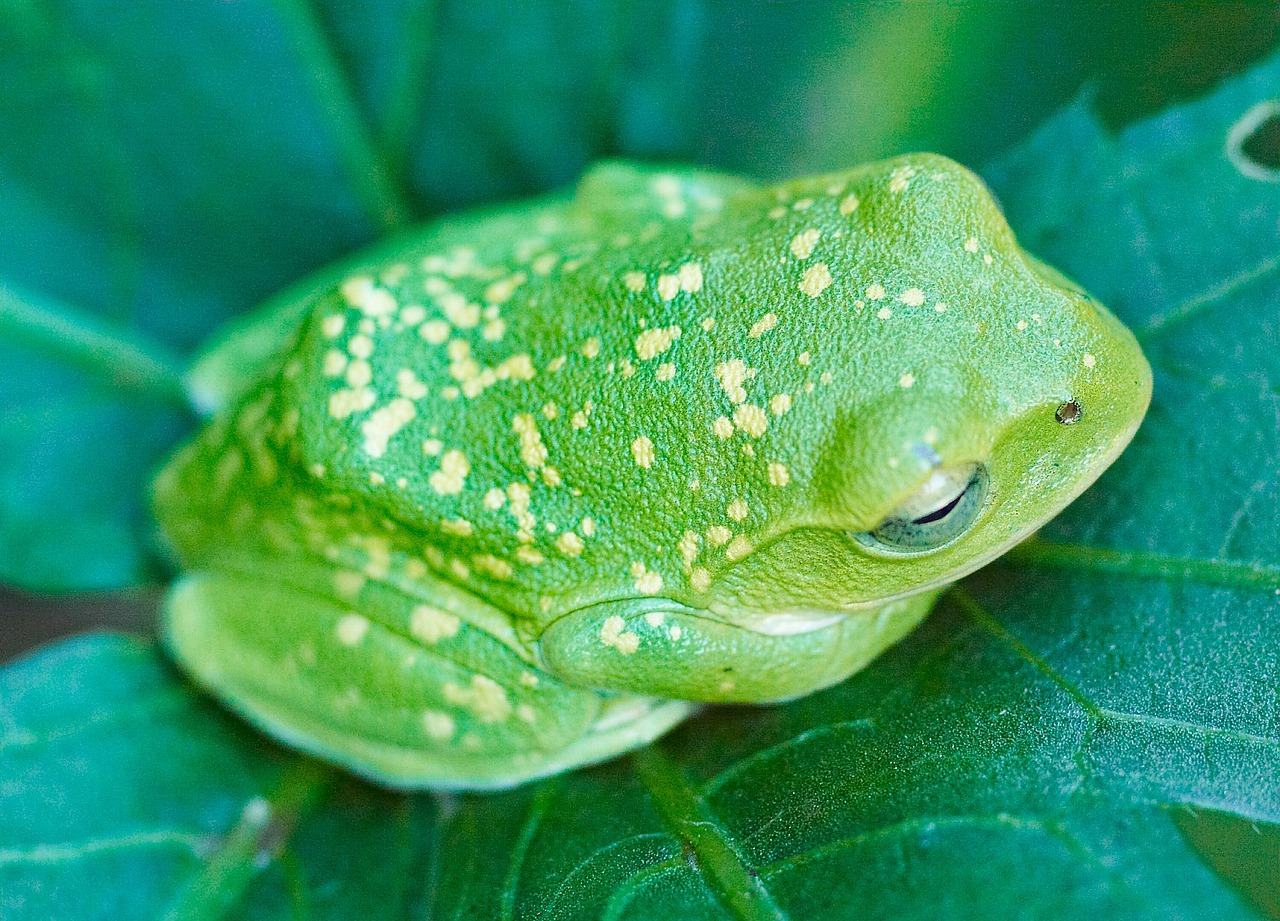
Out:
{"x": 402, "y": 692}
{"x": 657, "y": 646}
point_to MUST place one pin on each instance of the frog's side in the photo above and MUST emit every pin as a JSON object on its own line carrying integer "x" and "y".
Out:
{"x": 518, "y": 491}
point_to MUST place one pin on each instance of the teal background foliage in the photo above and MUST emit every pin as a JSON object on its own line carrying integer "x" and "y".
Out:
{"x": 1086, "y": 729}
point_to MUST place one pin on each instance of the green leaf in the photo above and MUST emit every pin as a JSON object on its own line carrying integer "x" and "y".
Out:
{"x": 1087, "y": 729}
{"x": 166, "y": 166}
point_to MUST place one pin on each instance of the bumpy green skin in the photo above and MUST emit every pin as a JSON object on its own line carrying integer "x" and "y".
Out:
{"x": 521, "y": 489}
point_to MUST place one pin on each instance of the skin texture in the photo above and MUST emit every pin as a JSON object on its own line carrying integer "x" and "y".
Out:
{"x": 516, "y": 493}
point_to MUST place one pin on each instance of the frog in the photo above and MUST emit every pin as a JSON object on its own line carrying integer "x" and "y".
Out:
{"x": 526, "y": 488}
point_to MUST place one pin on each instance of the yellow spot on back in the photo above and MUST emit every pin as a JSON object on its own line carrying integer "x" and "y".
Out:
{"x": 569, "y": 544}
{"x": 351, "y": 629}
{"x": 817, "y": 278}
{"x": 485, "y": 698}
{"x": 591, "y": 348}
{"x": 848, "y": 204}
{"x": 332, "y": 325}
{"x": 690, "y": 275}
{"x": 779, "y": 403}
{"x": 750, "y": 419}
{"x": 723, "y": 427}
{"x": 738, "y": 548}
{"x": 646, "y": 582}
{"x": 737, "y": 509}
{"x": 802, "y": 244}
{"x": 718, "y": 535}
{"x": 532, "y": 451}
{"x": 653, "y": 342}
{"x": 439, "y": 726}
{"x": 731, "y": 375}
{"x": 635, "y": 281}
{"x": 434, "y": 331}
{"x": 449, "y": 479}
{"x": 666, "y": 371}
{"x": 384, "y": 423}
{"x": 668, "y": 286}
{"x": 778, "y": 474}
{"x": 907, "y": 381}
{"x": 642, "y": 451}
{"x": 700, "y": 579}
{"x": 1089, "y": 361}
{"x": 763, "y": 325}
{"x": 431, "y": 625}
{"x": 912, "y": 297}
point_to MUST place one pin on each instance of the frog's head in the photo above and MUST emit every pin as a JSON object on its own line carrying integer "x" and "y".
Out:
{"x": 974, "y": 393}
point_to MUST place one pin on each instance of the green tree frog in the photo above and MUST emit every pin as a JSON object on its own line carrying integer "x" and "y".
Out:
{"x": 521, "y": 491}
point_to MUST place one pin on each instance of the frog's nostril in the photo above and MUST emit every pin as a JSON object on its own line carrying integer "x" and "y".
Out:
{"x": 937, "y": 513}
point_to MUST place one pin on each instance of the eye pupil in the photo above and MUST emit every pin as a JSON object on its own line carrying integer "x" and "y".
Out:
{"x": 939, "y": 514}
{"x": 1069, "y": 413}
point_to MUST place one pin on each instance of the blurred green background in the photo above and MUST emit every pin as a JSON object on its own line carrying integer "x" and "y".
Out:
{"x": 166, "y": 165}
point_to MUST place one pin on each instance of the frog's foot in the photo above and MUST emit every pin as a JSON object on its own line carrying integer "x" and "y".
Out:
{"x": 655, "y": 646}
{"x": 403, "y": 693}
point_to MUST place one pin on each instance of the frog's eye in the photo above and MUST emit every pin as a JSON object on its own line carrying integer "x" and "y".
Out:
{"x": 942, "y": 509}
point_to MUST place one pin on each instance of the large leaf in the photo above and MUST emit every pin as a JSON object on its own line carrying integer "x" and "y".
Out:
{"x": 166, "y": 165}
{"x": 1087, "y": 729}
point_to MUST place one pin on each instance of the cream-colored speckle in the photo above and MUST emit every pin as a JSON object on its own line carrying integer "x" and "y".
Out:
{"x": 408, "y": 385}
{"x": 826, "y": 377}
{"x": 614, "y": 633}
{"x": 655, "y": 618}
{"x": 361, "y": 293}
{"x": 384, "y": 423}
{"x": 529, "y": 556}
{"x": 1021, "y": 325}
{"x": 449, "y": 479}
{"x": 351, "y": 629}
{"x": 738, "y": 548}
{"x": 987, "y": 259}
{"x": 750, "y": 419}
{"x": 907, "y": 381}
{"x": 526, "y": 714}
{"x": 333, "y": 325}
{"x": 647, "y": 582}
{"x": 635, "y": 281}
{"x": 674, "y": 632}
{"x": 884, "y": 313}
{"x": 802, "y": 244}
{"x": 722, "y": 427}
{"x": 335, "y": 363}
{"x": 360, "y": 346}
{"x": 488, "y": 563}
{"x": 779, "y": 475}
{"x": 718, "y": 535}
{"x": 687, "y": 547}
{"x": 556, "y": 364}
{"x": 900, "y": 178}
{"x": 779, "y": 403}
{"x": 700, "y": 579}
{"x": 532, "y": 451}
{"x": 690, "y": 275}
{"x": 817, "y": 278}
{"x": 912, "y": 297}
{"x": 666, "y": 371}
{"x": 348, "y": 584}
{"x": 359, "y": 374}
{"x": 803, "y": 359}
{"x": 569, "y": 544}
{"x": 848, "y": 204}
{"x": 587, "y": 527}
{"x": 1089, "y": 361}
{"x": 494, "y": 330}
{"x": 763, "y": 325}
{"x": 737, "y": 509}
{"x": 458, "y": 527}
{"x": 875, "y": 291}
{"x": 731, "y": 375}
{"x": 439, "y": 726}
{"x": 777, "y": 211}
{"x": 802, "y": 204}
{"x": 550, "y": 411}
{"x": 485, "y": 698}
{"x": 642, "y": 451}
{"x": 708, "y": 324}
{"x": 940, "y": 307}
{"x": 668, "y": 286}
{"x": 971, "y": 245}
{"x": 590, "y": 348}
{"x": 494, "y": 499}
{"x": 529, "y": 679}
{"x": 431, "y": 625}
{"x": 413, "y": 314}
{"x": 653, "y": 342}
{"x": 434, "y": 331}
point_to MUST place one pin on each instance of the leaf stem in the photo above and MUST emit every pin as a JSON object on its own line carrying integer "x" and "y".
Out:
{"x": 122, "y": 359}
